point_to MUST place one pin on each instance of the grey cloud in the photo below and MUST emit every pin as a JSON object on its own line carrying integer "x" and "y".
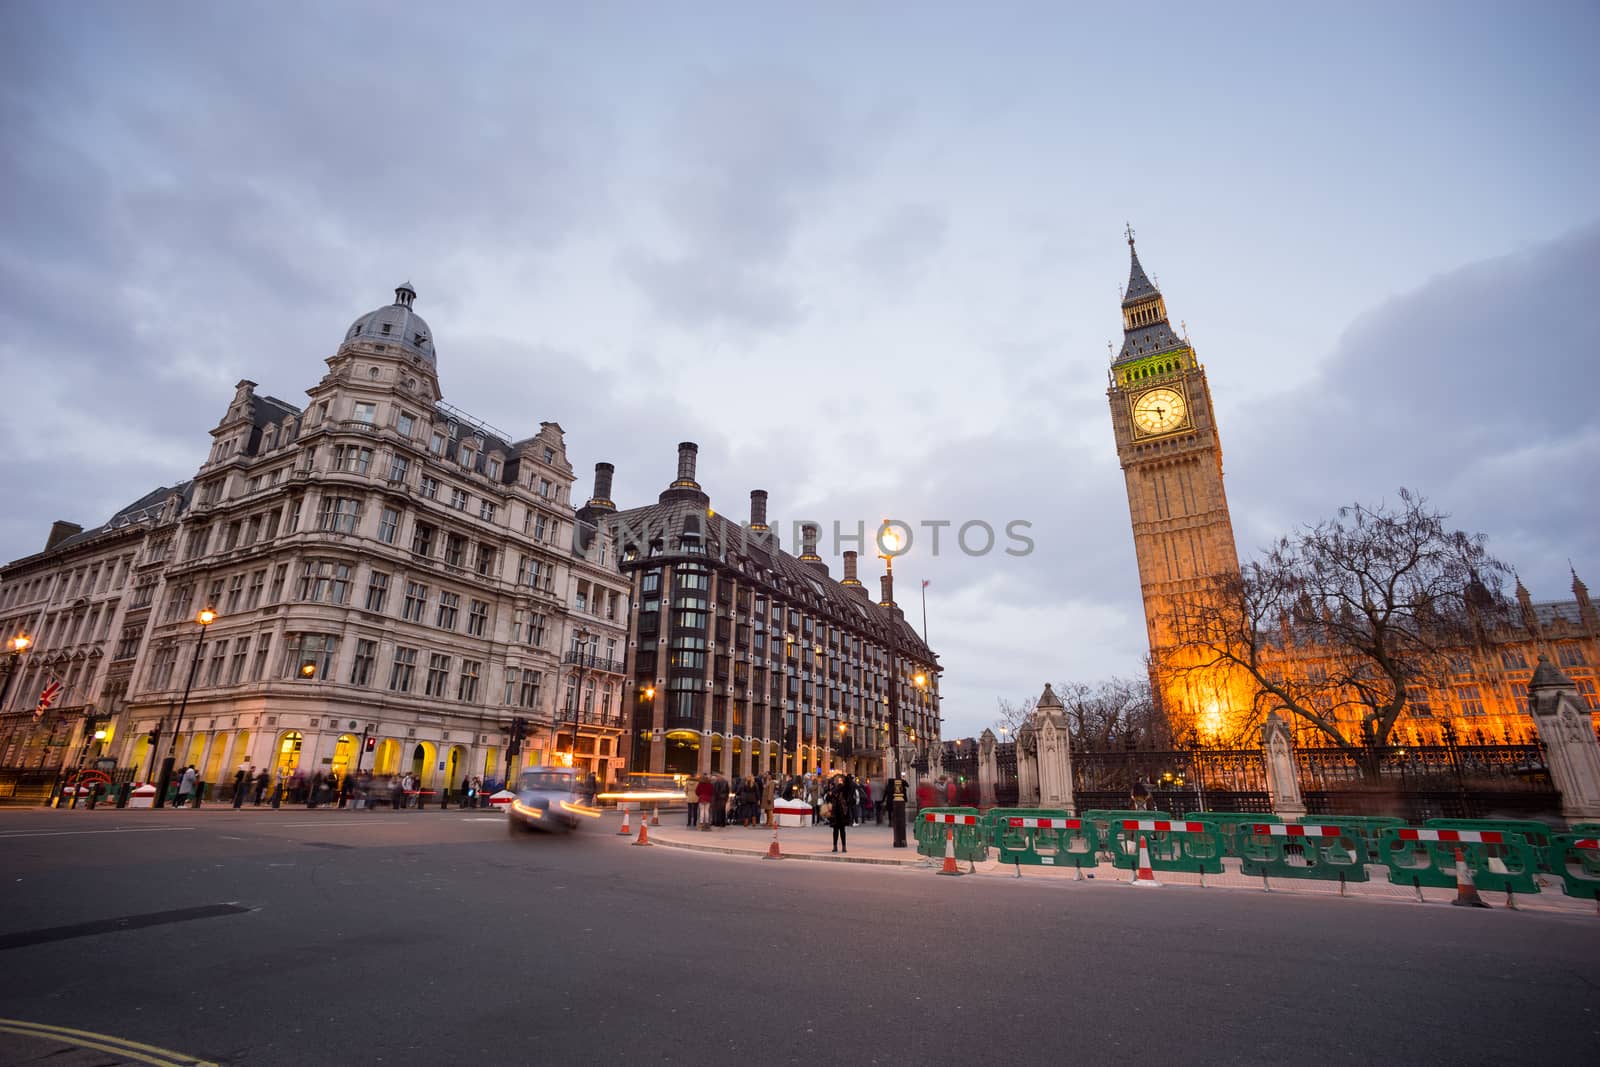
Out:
{"x": 902, "y": 242}
{"x": 1470, "y": 389}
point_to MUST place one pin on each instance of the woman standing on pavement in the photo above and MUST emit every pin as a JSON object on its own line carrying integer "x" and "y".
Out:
{"x": 838, "y": 813}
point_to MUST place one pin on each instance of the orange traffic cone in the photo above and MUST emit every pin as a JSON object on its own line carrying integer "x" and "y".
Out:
{"x": 644, "y": 830}
{"x": 1145, "y": 875}
{"x": 655, "y": 815}
{"x": 773, "y": 852}
{"x": 950, "y": 853}
{"x": 1466, "y": 893}
{"x": 626, "y": 829}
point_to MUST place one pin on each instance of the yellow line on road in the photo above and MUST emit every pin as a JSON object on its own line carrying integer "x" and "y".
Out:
{"x": 159, "y": 1057}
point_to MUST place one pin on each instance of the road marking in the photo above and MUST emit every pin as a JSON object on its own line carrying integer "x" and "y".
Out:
{"x": 134, "y": 1050}
{"x": 71, "y": 833}
{"x": 125, "y": 922}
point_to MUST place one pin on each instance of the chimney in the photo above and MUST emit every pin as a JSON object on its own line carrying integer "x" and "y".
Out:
{"x": 60, "y": 530}
{"x": 850, "y": 578}
{"x": 602, "y": 486}
{"x": 808, "y": 554}
{"x": 687, "y": 451}
{"x": 886, "y": 586}
{"x": 758, "y": 510}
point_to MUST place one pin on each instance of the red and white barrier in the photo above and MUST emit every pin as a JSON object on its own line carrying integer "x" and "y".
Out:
{"x": 1034, "y": 822}
{"x": 947, "y": 817}
{"x": 1272, "y": 829}
{"x": 1460, "y": 837}
{"x": 1162, "y": 826}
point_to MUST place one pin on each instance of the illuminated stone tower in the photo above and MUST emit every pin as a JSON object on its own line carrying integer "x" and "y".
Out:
{"x": 1171, "y": 459}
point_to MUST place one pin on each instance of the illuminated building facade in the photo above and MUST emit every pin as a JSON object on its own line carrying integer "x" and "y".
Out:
{"x": 383, "y": 566}
{"x": 1171, "y": 454}
{"x": 749, "y": 660}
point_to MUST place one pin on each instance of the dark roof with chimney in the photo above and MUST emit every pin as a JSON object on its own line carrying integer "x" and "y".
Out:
{"x": 145, "y": 508}
{"x": 758, "y": 558}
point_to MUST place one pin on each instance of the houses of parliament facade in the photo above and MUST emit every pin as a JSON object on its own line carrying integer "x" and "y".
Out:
{"x": 1171, "y": 454}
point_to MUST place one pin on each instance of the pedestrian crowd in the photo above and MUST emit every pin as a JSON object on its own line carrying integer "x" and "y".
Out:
{"x": 840, "y": 801}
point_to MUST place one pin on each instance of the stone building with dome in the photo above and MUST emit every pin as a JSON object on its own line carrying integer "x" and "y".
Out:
{"x": 383, "y": 566}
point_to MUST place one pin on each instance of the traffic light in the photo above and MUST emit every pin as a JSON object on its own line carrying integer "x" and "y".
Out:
{"x": 154, "y": 736}
{"x": 518, "y": 728}
{"x": 372, "y": 743}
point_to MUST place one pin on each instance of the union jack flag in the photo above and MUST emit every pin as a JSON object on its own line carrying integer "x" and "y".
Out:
{"x": 47, "y": 697}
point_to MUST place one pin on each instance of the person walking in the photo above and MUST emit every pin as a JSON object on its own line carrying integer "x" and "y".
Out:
{"x": 838, "y": 807}
{"x": 263, "y": 781}
{"x": 769, "y": 796}
{"x": 186, "y": 786}
{"x": 241, "y": 782}
{"x": 691, "y": 794}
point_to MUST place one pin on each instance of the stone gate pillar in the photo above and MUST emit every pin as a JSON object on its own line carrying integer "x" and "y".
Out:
{"x": 1054, "y": 742}
{"x": 1571, "y": 751}
{"x": 1027, "y": 767}
{"x": 987, "y": 770}
{"x": 1283, "y": 779}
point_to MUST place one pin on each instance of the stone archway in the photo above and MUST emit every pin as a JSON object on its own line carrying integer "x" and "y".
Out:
{"x": 422, "y": 761}
{"x": 386, "y": 760}
{"x": 240, "y": 756}
{"x": 455, "y": 768}
{"x": 344, "y": 755}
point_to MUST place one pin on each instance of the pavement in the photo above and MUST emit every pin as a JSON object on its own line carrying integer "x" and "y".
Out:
{"x": 873, "y": 844}
{"x": 436, "y": 937}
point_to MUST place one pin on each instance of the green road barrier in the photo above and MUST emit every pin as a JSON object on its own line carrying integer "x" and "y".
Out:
{"x": 1366, "y": 828}
{"x": 1231, "y": 825}
{"x": 1041, "y": 837}
{"x": 1175, "y": 845}
{"x": 1428, "y": 857}
{"x": 971, "y": 842}
{"x": 1325, "y": 852}
{"x": 1575, "y": 858}
{"x": 1104, "y": 818}
{"x": 1536, "y": 834}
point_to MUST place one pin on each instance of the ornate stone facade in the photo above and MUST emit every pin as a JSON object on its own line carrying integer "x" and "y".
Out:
{"x": 382, "y": 565}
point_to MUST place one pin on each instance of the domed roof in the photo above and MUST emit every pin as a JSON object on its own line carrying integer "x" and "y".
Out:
{"x": 395, "y": 324}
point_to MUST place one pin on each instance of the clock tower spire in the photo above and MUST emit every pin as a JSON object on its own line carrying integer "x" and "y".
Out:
{"x": 1171, "y": 455}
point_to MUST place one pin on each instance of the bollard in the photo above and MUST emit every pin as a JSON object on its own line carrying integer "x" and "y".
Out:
{"x": 122, "y": 794}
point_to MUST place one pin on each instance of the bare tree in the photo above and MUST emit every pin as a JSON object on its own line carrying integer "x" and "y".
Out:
{"x": 1115, "y": 713}
{"x": 1332, "y": 625}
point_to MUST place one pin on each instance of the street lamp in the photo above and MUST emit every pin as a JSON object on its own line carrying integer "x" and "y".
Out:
{"x": 15, "y": 647}
{"x": 580, "y": 639}
{"x": 889, "y": 546}
{"x": 204, "y": 619}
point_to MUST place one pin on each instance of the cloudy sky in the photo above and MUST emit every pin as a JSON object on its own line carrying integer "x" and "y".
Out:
{"x": 868, "y": 256}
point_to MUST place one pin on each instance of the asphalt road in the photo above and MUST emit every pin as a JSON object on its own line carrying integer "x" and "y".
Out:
{"x": 435, "y": 938}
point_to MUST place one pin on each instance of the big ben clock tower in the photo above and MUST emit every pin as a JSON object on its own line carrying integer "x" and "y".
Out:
{"x": 1171, "y": 458}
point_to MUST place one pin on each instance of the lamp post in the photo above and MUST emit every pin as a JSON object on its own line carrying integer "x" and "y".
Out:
{"x": 580, "y": 640}
{"x": 204, "y": 619}
{"x": 889, "y": 546}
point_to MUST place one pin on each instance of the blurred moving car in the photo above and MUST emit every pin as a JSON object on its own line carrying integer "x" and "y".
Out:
{"x": 547, "y": 799}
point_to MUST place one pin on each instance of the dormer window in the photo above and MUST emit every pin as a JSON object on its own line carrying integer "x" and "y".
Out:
{"x": 468, "y": 456}
{"x": 492, "y": 468}
{"x": 386, "y": 329}
{"x": 549, "y": 455}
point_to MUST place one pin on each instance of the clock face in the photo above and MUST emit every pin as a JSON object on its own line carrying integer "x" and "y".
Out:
{"x": 1159, "y": 411}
